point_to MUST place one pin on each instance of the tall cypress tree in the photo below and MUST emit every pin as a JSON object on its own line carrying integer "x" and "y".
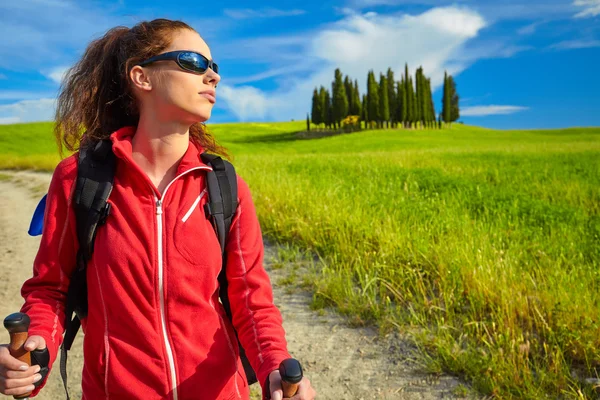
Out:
{"x": 384, "y": 105}
{"x": 431, "y": 108}
{"x": 424, "y": 99}
{"x": 402, "y": 103}
{"x": 372, "y": 98}
{"x": 328, "y": 109}
{"x": 446, "y": 100}
{"x": 454, "y": 108}
{"x": 349, "y": 93}
{"x": 408, "y": 91}
{"x": 323, "y": 96}
{"x": 316, "y": 112}
{"x": 339, "y": 100}
{"x": 419, "y": 95}
{"x": 392, "y": 96}
{"x": 412, "y": 102}
{"x": 365, "y": 110}
{"x": 356, "y": 100}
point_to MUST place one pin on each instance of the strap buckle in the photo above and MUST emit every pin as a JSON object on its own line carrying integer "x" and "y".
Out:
{"x": 105, "y": 214}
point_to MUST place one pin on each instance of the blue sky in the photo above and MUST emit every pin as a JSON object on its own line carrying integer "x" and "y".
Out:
{"x": 517, "y": 63}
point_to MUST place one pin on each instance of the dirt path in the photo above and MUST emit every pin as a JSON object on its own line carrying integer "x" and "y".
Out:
{"x": 341, "y": 362}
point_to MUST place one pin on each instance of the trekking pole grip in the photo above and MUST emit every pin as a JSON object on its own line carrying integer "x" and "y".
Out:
{"x": 291, "y": 375}
{"x": 17, "y": 325}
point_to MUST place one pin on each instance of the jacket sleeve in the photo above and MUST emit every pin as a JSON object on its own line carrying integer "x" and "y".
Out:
{"x": 45, "y": 292}
{"x": 257, "y": 320}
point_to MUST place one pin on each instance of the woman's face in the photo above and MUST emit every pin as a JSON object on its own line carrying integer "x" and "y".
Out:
{"x": 175, "y": 94}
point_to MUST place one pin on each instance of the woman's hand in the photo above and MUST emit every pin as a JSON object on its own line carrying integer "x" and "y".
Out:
{"x": 305, "y": 390}
{"x": 16, "y": 377}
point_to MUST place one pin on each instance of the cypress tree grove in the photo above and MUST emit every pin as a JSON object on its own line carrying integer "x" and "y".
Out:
{"x": 384, "y": 105}
{"x": 340, "y": 100}
{"x": 316, "y": 112}
{"x": 386, "y": 102}
{"x": 392, "y": 96}
{"x": 372, "y": 98}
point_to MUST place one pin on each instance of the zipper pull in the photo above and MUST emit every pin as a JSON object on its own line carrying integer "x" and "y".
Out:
{"x": 158, "y": 207}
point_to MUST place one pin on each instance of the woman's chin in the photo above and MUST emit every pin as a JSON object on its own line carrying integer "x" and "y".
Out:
{"x": 201, "y": 115}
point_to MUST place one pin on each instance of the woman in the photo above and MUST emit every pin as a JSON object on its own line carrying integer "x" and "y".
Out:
{"x": 155, "y": 328}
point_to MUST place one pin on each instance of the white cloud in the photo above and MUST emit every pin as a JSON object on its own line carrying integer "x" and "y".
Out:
{"x": 9, "y": 120}
{"x": 28, "y": 111}
{"x": 491, "y": 10}
{"x": 22, "y": 95}
{"x": 266, "y": 49}
{"x": 271, "y": 73}
{"x": 575, "y": 44}
{"x": 591, "y": 8}
{"x": 57, "y": 74}
{"x": 373, "y": 3}
{"x": 490, "y": 49}
{"x": 434, "y": 39}
{"x": 531, "y": 28}
{"x": 247, "y": 102}
{"x": 247, "y": 13}
{"x": 480, "y": 111}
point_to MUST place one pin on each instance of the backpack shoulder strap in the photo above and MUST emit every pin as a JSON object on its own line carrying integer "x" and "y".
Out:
{"x": 222, "y": 194}
{"x": 221, "y": 207}
{"x": 95, "y": 174}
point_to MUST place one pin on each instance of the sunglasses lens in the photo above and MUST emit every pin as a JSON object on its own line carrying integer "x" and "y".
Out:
{"x": 193, "y": 62}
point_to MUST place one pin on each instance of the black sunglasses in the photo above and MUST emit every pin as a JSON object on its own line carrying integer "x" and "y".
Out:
{"x": 187, "y": 60}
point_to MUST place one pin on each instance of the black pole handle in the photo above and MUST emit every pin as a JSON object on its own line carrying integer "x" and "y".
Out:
{"x": 291, "y": 375}
{"x": 17, "y": 325}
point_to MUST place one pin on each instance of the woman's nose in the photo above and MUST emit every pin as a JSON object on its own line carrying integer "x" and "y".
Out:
{"x": 212, "y": 76}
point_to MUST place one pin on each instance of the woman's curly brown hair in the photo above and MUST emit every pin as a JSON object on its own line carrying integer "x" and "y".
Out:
{"x": 96, "y": 97}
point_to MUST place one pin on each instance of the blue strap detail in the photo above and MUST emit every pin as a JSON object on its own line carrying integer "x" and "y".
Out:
{"x": 37, "y": 222}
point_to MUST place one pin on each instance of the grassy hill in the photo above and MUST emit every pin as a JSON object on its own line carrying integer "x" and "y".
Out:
{"x": 483, "y": 243}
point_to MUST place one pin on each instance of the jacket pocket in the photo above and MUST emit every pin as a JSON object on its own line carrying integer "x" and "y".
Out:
{"x": 194, "y": 237}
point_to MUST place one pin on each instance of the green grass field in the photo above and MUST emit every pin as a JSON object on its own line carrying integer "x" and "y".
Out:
{"x": 484, "y": 244}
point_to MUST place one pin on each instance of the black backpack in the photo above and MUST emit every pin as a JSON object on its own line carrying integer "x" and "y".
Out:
{"x": 96, "y": 169}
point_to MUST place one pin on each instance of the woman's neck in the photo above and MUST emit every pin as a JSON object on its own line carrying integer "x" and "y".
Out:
{"x": 158, "y": 148}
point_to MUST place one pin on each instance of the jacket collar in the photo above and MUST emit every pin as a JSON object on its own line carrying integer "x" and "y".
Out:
{"x": 122, "y": 147}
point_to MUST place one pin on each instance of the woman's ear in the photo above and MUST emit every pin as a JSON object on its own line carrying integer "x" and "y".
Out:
{"x": 140, "y": 78}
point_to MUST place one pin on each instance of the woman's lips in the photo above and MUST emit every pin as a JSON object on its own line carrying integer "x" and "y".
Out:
{"x": 209, "y": 96}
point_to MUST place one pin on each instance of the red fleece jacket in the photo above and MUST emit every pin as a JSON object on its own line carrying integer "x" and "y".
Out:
{"x": 156, "y": 328}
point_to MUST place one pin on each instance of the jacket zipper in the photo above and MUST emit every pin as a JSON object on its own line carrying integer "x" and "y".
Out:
{"x": 159, "y": 222}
